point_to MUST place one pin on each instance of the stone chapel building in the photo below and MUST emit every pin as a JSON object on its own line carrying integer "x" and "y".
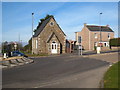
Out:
{"x": 48, "y": 38}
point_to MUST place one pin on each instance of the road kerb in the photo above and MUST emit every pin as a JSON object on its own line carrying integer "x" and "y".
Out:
{"x": 15, "y": 61}
{"x": 99, "y": 54}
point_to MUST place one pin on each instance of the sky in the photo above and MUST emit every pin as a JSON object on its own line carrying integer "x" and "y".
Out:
{"x": 17, "y": 18}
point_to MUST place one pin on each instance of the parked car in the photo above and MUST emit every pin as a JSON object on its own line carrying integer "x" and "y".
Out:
{"x": 17, "y": 53}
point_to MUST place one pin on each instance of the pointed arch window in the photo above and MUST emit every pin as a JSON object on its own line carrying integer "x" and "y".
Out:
{"x": 52, "y": 46}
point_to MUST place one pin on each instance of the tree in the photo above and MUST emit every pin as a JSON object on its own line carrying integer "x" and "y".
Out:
{"x": 10, "y": 46}
{"x": 28, "y": 48}
{"x": 4, "y": 47}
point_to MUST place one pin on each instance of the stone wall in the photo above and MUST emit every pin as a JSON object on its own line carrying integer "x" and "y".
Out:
{"x": 115, "y": 48}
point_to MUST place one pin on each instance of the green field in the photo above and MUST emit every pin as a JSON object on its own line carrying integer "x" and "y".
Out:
{"x": 111, "y": 79}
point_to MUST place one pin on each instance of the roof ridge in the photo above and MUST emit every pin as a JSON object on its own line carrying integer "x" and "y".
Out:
{"x": 96, "y": 28}
{"x": 97, "y": 25}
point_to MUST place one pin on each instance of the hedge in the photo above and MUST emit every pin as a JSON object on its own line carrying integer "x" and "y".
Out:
{"x": 114, "y": 42}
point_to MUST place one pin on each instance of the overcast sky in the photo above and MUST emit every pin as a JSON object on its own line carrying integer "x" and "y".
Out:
{"x": 16, "y": 17}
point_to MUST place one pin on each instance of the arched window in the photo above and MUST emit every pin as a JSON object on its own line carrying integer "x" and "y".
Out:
{"x": 55, "y": 46}
{"x": 52, "y": 46}
{"x": 108, "y": 35}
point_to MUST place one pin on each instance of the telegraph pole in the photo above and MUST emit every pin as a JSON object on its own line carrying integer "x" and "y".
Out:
{"x": 19, "y": 37}
{"x": 18, "y": 41}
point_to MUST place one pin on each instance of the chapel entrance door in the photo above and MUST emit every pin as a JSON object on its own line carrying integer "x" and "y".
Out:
{"x": 54, "y": 48}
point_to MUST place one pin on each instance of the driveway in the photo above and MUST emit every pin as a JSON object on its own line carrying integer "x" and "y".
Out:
{"x": 62, "y": 71}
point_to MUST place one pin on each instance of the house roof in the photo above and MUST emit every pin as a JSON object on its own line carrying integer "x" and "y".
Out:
{"x": 41, "y": 27}
{"x": 97, "y": 28}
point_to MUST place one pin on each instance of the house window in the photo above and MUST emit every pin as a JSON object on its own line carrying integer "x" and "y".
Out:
{"x": 52, "y": 46}
{"x": 108, "y": 35}
{"x": 36, "y": 43}
{"x": 79, "y": 39}
{"x": 95, "y": 44}
{"x": 55, "y": 46}
{"x": 105, "y": 44}
{"x": 95, "y": 35}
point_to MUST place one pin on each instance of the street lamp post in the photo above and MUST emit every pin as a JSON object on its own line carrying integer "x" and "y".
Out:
{"x": 32, "y": 29}
{"x": 32, "y": 22}
{"x": 100, "y": 30}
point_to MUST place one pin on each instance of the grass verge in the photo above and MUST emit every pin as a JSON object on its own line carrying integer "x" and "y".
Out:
{"x": 36, "y": 55}
{"x": 111, "y": 78}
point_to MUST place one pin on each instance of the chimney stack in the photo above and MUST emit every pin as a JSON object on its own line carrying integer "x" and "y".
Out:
{"x": 85, "y": 24}
{"x": 107, "y": 25}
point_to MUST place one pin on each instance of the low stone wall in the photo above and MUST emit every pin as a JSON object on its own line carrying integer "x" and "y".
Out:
{"x": 105, "y": 48}
{"x": 112, "y": 48}
{"x": 1, "y": 58}
{"x": 14, "y": 61}
{"x": 115, "y": 48}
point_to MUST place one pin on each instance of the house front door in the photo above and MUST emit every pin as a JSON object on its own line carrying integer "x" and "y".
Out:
{"x": 54, "y": 48}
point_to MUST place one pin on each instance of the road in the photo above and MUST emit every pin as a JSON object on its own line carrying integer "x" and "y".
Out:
{"x": 62, "y": 71}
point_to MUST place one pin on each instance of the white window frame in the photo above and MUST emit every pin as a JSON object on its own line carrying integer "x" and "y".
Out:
{"x": 95, "y": 43}
{"x": 108, "y": 35}
{"x": 95, "y": 35}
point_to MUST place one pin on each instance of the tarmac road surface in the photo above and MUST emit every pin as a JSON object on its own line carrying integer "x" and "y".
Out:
{"x": 62, "y": 71}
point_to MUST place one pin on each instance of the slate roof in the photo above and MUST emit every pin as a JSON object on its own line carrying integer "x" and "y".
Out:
{"x": 41, "y": 27}
{"x": 97, "y": 28}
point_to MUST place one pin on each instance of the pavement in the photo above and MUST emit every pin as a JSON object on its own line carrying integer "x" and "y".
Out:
{"x": 95, "y": 52}
{"x": 108, "y": 57}
{"x": 63, "y": 71}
